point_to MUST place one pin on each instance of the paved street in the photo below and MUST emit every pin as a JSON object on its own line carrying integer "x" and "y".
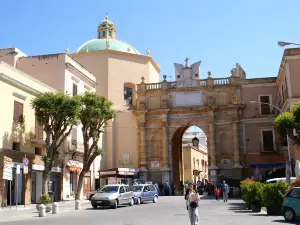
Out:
{"x": 169, "y": 210}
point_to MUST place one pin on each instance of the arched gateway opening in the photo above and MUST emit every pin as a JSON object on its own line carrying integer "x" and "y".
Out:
{"x": 189, "y": 155}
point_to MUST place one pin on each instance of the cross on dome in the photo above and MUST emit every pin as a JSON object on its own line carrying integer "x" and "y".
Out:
{"x": 186, "y": 62}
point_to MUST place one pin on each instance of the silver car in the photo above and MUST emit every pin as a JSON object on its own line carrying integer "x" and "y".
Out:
{"x": 113, "y": 195}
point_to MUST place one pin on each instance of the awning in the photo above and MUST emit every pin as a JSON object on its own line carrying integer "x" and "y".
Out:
{"x": 74, "y": 166}
{"x": 265, "y": 166}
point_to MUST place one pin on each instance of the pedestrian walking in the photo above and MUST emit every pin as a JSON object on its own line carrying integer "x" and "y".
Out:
{"x": 173, "y": 189}
{"x": 225, "y": 191}
{"x": 192, "y": 202}
{"x": 217, "y": 193}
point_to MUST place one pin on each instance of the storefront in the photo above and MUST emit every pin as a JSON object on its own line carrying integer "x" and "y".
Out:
{"x": 118, "y": 176}
{"x": 71, "y": 174}
{"x": 37, "y": 169}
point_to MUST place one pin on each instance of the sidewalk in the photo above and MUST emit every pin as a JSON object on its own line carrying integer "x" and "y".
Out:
{"x": 30, "y": 212}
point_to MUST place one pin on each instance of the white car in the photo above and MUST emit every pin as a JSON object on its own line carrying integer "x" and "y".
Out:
{"x": 113, "y": 195}
{"x": 277, "y": 180}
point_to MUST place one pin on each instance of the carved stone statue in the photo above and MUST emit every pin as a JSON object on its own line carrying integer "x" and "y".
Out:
{"x": 187, "y": 76}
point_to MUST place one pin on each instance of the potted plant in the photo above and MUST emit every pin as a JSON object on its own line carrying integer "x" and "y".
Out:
{"x": 255, "y": 195}
{"x": 45, "y": 199}
{"x": 272, "y": 197}
{"x": 245, "y": 184}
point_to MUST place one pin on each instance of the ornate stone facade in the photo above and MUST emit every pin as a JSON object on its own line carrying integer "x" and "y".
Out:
{"x": 167, "y": 109}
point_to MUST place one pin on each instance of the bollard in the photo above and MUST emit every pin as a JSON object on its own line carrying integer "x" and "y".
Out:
{"x": 55, "y": 209}
{"x": 42, "y": 210}
{"x": 77, "y": 205}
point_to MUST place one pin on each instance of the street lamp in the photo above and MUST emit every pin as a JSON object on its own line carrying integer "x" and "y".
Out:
{"x": 283, "y": 43}
{"x": 287, "y": 135}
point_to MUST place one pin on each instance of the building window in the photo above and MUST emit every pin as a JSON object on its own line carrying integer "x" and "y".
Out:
{"x": 18, "y": 112}
{"x": 178, "y": 76}
{"x": 196, "y": 75}
{"x": 127, "y": 96}
{"x": 75, "y": 89}
{"x": 37, "y": 151}
{"x": 16, "y": 146}
{"x": 109, "y": 33}
{"x": 104, "y": 33}
{"x": 265, "y": 109}
{"x": 268, "y": 140}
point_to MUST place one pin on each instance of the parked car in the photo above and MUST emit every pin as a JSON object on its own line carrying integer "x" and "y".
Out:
{"x": 113, "y": 195}
{"x": 277, "y": 180}
{"x": 144, "y": 192}
{"x": 89, "y": 195}
{"x": 291, "y": 204}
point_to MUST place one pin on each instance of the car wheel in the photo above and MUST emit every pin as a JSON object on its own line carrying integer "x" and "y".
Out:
{"x": 115, "y": 206}
{"x": 91, "y": 197}
{"x": 94, "y": 206}
{"x": 138, "y": 201}
{"x": 155, "y": 199}
{"x": 131, "y": 203}
{"x": 289, "y": 215}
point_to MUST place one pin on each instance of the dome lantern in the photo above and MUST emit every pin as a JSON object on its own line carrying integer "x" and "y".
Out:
{"x": 106, "y": 29}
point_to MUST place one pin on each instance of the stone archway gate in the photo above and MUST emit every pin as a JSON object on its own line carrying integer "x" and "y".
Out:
{"x": 211, "y": 104}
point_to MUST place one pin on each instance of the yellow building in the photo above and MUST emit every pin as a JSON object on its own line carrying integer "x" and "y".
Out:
{"x": 19, "y": 133}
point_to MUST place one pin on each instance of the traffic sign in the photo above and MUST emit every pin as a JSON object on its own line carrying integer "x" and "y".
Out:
{"x": 25, "y": 162}
{"x": 18, "y": 170}
{"x": 25, "y": 170}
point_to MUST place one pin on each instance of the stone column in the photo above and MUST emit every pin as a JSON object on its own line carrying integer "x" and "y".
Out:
{"x": 236, "y": 145}
{"x": 212, "y": 147}
{"x": 165, "y": 145}
{"x": 165, "y": 167}
{"x": 143, "y": 159}
{"x": 212, "y": 151}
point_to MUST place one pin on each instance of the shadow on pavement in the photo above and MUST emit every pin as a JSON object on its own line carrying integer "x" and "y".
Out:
{"x": 238, "y": 207}
{"x": 285, "y": 222}
{"x": 106, "y": 208}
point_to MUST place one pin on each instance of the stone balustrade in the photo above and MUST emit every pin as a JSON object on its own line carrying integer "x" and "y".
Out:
{"x": 210, "y": 82}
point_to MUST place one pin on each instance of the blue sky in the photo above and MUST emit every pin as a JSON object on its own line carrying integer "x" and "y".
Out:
{"x": 219, "y": 33}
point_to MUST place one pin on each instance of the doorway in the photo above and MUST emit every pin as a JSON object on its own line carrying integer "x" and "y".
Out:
{"x": 189, "y": 155}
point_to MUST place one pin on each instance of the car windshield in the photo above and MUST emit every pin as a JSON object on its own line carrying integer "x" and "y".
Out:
{"x": 137, "y": 188}
{"x": 109, "y": 189}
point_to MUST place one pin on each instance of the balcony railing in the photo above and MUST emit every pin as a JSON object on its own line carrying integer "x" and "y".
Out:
{"x": 37, "y": 135}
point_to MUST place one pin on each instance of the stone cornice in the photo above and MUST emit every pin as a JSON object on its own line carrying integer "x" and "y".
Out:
{"x": 109, "y": 51}
{"x": 18, "y": 84}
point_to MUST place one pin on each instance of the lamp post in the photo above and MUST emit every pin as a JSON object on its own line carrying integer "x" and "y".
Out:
{"x": 284, "y": 43}
{"x": 287, "y": 135}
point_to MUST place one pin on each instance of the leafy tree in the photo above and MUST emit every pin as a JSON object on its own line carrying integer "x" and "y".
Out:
{"x": 56, "y": 113}
{"x": 95, "y": 112}
{"x": 287, "y": 122}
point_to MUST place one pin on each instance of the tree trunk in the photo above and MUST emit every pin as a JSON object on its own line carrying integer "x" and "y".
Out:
{"x": 79, "y": 185}
{"x": 46, "y": 179}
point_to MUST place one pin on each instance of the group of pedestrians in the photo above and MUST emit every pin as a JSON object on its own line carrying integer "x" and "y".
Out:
{"x": 222, "y": 190}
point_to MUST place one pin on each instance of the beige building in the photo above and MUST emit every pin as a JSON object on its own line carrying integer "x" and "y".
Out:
{"x": 118, "y": 66}
{"x": 20, "y": 135}
{"x": 144, "y": 140}
{"x": 194, "y": 156}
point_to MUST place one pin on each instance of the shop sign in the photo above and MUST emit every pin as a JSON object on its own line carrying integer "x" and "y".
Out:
{"x": 126, "y": 173}
{"x": 102, "y": 173}
{"x": 74, "y": 163}
{"x": 38, "y": 167}
{"x": 128, "y": 170}
{"x": 7, "y": 168}
{"x": 155, "y": 164}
